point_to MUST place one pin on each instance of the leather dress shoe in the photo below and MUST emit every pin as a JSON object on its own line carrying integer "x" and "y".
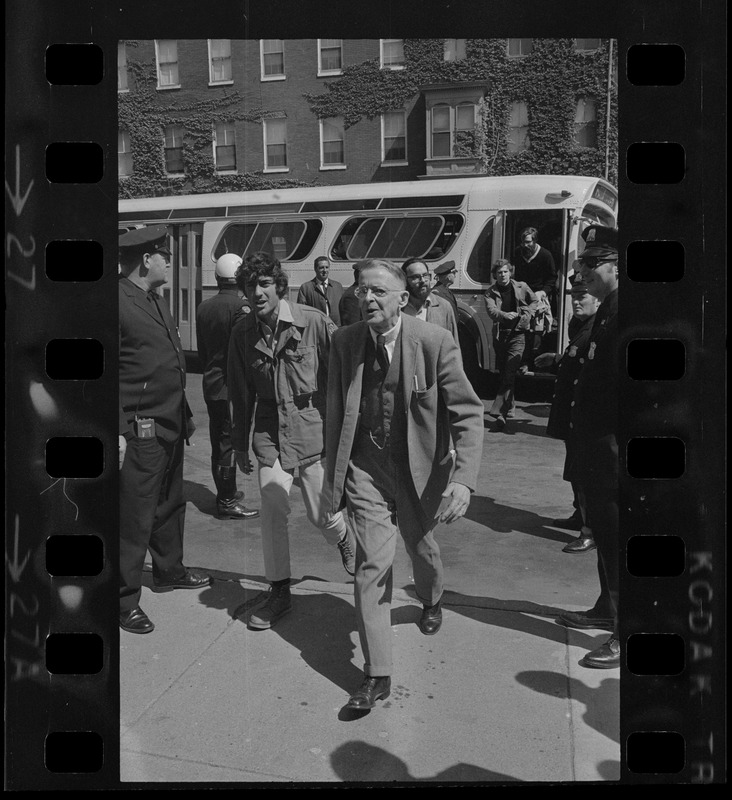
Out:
{"x": 233, "y": 509}
{"x": 135, "y": 621}
{"x": 582, "y": 544}
{"x": 431, "y": 619}
{"x": 573, "y": 523}
{"x": 371, "y": 690}
{"x": 584, "y": 620}
{"x": 606, "y": 656}
{"x": 189, "y": 580}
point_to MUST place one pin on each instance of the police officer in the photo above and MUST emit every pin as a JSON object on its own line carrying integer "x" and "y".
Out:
{"x": 154, "y": 422}
{"x": 445, "y": 277}
{"x": 215, "y": 318}
{"x": 595, "y": 439}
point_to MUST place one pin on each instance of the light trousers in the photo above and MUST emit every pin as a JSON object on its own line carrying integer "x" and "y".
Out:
{"x": 274, "y": 486}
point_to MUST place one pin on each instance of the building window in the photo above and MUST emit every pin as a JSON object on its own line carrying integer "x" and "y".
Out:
{"x": 586, "y": 45}
{"x": 174, "y": 149}
{"x": 585, "y": 123}
{"x": 275, "y": 145}
{"x": 166, "y": 53}
{"x": 445, "y": 124}
{"x": 518, "y": 124}
{"x": 124, "y": 154}
{"x": 454, "y": 49}
{"x": 225, "y": 146}
{"x": 392, "y": 54}
{"x": 332, "y": 143}
{"x": 219, "y": 60}
{"x": 394, "y": 137}
{"x": 330, "y": 56}
{"x": 272, "y": 53}
{"x": 122, "y": 67}
{"x": 520, "y": 47}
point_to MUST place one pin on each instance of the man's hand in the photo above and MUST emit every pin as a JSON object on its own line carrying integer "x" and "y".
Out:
{"x": 511, "y": 314}
{"x": 122, "y": 450}
{"x": 540, "y": 294}
{"x": 545, "y": 360}
{"x": 455, "y": 502}
{"x": 243, "y": 462}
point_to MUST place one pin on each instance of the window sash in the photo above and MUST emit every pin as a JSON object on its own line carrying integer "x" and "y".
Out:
{"x": 225, "y": 156}
{"x": 392, "y": 52}
{"x": 121, "y": 67}
{"x": 124, "y": 154}
{"x": 275, "y": 137}
{"x": 273, "y": 57}
{"x": 586, "y": 111}
{"x": 333, "y": 141}
{"x": 167, "y": 62}
{"x": 220, "y": 63}
{"x": 331, "y": 55}
{"x": 173, "y": 136}
{"x": 465, "y": 117}
{"x": 587, "y": 45}
{"x": 454, "y": 50}
{"x": 520, "y": 47}
{"x": 394, "y": 136}
{"x": 225, "y": 133}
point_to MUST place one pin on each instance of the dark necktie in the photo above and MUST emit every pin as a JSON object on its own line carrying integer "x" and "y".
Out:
{"x": 381, "y": 356}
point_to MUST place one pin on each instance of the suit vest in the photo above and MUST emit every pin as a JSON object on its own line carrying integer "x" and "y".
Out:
{"x": 382, "y": 404}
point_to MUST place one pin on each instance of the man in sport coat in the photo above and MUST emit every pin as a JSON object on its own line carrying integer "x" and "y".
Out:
{"x": 403, "y": 443}
{"x": 322, "y": 292}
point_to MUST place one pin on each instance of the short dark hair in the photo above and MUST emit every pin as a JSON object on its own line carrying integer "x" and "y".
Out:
{"x": 408, "y": 263}
{"x": 319, "y": 259}
{"x": 529, "y": 232}
{"x": 382, "y": 263}
{"x": 502, "y": 262}
{"x": 261, "y": 265}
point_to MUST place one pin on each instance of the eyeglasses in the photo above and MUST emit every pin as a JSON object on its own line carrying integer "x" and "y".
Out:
{"x": 363, "y": 291}
{"x": 425, "y": 276}
{"x": 592, "y": 262}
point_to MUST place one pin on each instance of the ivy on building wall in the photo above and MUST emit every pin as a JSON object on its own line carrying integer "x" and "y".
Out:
{"x": 144, "y": 112}
{"x": 550, "y": 80}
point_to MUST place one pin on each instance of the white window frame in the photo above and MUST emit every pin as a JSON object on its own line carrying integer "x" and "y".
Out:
{"x": 579, "y": 49}
{"x": 279, "y": 76}
{"x": 405, "y": 162}
{"x": 323, "y": 165}
{"x": 455, "y": 47}
{"x": 452, "y": 128}
{"x": 585, "y": 124}
{"x": 176, "y": 62}
{"x": 286, "y": 167}
{"x": 382, "y": 42}
{"x": 517, "y": 127}
{"x": 327, "y": 72}
{"x": 211, "y": 80}
{"x": 165, "y": 161}
{"x": 215, "y": 141}
{"x": 123, "y": 134}
{"x": 122, "y": 68}
{"x": 519, "y": 55}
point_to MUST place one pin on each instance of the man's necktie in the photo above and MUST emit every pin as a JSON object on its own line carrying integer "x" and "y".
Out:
{"x": 381, "y": 356}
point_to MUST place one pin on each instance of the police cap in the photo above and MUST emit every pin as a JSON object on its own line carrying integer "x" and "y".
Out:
{"x": 448, "y": 266}
{"x": 599, "y": 242}
{"x": 151, "y": 238}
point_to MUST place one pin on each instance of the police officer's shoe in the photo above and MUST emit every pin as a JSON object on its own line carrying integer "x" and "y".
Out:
{"x": 431, "y": 619}
{"x": 584, "y": 621}
{"x": 189, "y": 580}
{"x": 135, "y": 621}
{"x": 371, "y": 690}
{"x": 606, "y": 656}
{"x": 573, "y": 523}
{"x": 582, "y": 544}
{"x": 233, "y": 509}
{"x": 348, "y": 556}
{"x": 278, "y": 604}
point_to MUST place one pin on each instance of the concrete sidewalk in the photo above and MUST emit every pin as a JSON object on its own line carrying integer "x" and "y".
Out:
{"x": 496, "y": 696}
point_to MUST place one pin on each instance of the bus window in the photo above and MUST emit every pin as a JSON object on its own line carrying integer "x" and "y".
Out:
{"x": 479, "y": 263}
{"x": 396, "y": 237}
{"x": 285, "y": 240}
{"x": 234, "y": 239}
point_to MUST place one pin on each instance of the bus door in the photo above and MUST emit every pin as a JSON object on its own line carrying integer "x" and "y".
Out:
{"x": 183, "y": 293}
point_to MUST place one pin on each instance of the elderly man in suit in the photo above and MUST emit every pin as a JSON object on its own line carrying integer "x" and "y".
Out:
{"x": 397, "y": 398}
{"x": 322, "y": 292}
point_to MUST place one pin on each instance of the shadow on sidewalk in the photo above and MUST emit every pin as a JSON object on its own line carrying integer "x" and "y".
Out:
{"x": 201, "y": 496}
{"x": 360, "y": 761}
{"x": 596, "y": 715}
{"x": 506, "y": 519}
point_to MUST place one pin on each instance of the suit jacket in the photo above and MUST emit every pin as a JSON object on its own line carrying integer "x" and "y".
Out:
{"x": 440, "y": 403}
{"x": 439, "y": 312}
{"x": 446, "y": 294}
{"x": 152, "y": 367}
{"x": 215, "y": 318}
{"x": 349, "y": 306}
{"x": 310, "y": 295}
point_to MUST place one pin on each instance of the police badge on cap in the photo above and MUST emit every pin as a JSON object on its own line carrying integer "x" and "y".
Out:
{"x": 599, "y": 242}
{"x": 151, "y": 238}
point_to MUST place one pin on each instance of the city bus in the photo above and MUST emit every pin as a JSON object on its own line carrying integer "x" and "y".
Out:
{"x": 469, "y": 220}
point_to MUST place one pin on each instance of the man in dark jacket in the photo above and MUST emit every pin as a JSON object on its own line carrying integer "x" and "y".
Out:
{"x": 154, "y": 422}
{"x": 215, "y": 318}
{"x": 322, "y": 292}
{"x": 595, "y": 437}
{"x": 445, "y": 277}
{"x": 349, "y": 307}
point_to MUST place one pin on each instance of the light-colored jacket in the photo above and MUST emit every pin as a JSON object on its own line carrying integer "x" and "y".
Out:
{"x": 439, "y": 312}
{"x": 526, "y": 304}
{"x": 440, "y": 403}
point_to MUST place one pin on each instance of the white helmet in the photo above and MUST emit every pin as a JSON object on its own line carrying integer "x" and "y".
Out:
{"x": 227, "y": 266}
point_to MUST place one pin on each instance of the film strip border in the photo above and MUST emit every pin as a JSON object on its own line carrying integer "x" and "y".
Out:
{"x": 61, "y": 512}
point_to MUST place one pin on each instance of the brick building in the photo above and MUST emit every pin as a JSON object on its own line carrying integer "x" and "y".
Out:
{"x": 219, "y": 115}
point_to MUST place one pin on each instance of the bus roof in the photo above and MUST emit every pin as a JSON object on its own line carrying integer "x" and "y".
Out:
{"x": 516, "y": 191}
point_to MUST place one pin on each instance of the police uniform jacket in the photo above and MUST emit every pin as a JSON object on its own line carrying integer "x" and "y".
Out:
{"x": 152, "y": 371}
{"x": 288, "y": 386}
{"x": 310, "y": 295}
{"x": 446, "y": 294}
{"x": 568, "y": 370}
{"x": 526, "y": 304}
{"x": 215, "y": 319}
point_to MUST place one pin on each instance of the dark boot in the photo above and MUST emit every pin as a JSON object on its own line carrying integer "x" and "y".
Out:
{"x": 228, "y": 505}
